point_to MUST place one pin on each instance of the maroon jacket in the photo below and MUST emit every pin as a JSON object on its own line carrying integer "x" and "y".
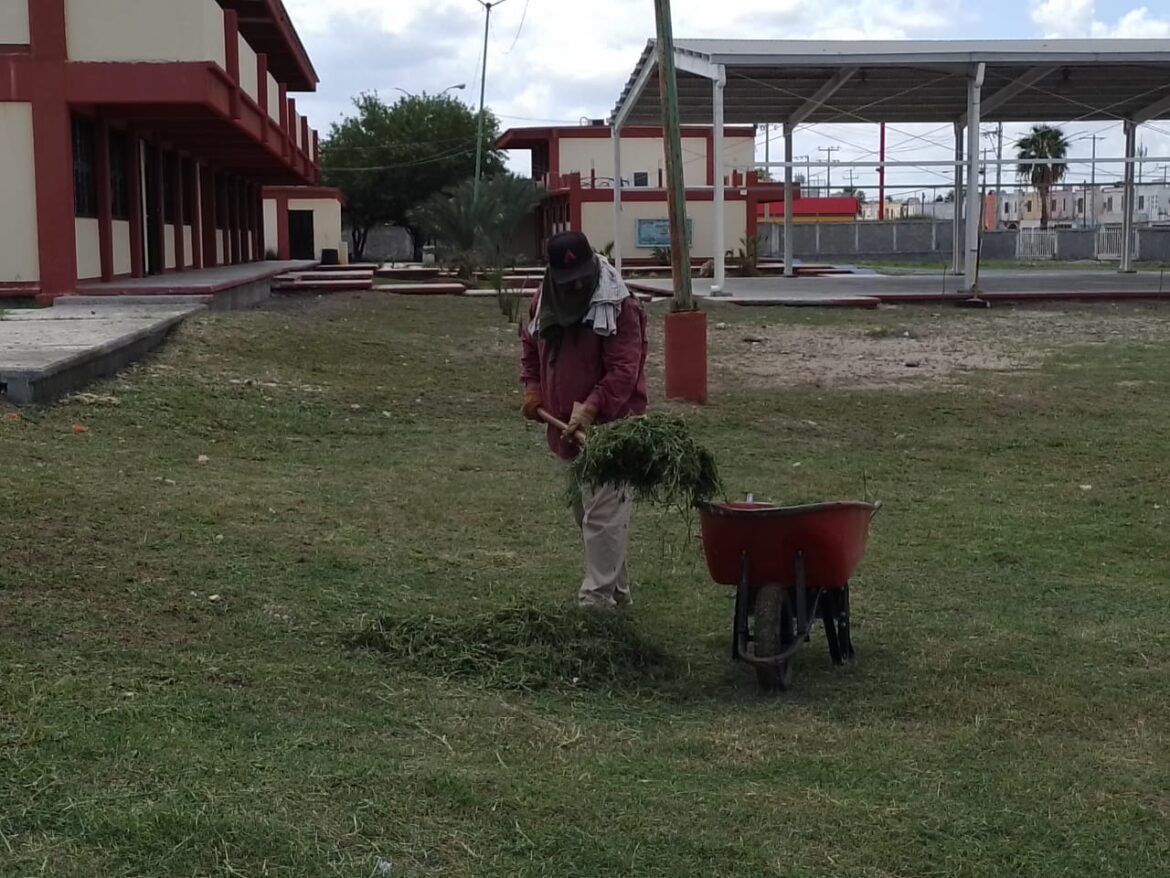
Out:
{"x": 607, "y": 373}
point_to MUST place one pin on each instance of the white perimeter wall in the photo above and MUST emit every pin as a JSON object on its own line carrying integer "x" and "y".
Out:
{"x": 122, "y": 264}
{"x": 188, "y": 248}
{"x": 19, "y": 261}
{"x": 89, "y": 249}
{"x": 169, "y": 245}
{"x": 271, "y": 234}
{"x": 597, "y": 224}
{"x": 14, "y": 22}
{"x": 326, "y": 222}
{"x": 145, "y": 30}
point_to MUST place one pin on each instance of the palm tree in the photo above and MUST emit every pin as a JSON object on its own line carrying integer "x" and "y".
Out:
{"x": 1050, "y": 146}
{"x": 474, "y": 233}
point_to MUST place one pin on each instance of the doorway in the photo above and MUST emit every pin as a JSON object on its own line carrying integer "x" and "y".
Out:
{"x": 301, "y": 235}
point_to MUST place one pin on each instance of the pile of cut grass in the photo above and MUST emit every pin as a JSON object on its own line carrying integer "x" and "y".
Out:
{"x": 654, "y": 457}
{"x": 521, "y": 648}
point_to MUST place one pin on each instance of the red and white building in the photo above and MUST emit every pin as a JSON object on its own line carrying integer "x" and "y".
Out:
{"x": 575, "y": 168}
{"x": 138, "y": 137}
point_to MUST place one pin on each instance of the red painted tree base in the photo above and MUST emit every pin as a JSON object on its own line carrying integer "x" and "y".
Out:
{"x": 686, "y": 356}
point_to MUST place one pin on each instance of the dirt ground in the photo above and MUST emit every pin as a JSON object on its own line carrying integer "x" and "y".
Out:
{"x": 896, "y": 347}
{"x": 909, "y": 347}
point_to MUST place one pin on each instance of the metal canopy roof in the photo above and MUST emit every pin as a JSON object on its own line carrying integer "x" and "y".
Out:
{"x": 800, "y": 82}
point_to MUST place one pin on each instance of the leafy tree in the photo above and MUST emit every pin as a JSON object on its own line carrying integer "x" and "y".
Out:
{"x": 853, "y": 192}
{"x": 388, "y": 158}
{"x": 471, "y": 233}
{"x": 1048, "y": 144}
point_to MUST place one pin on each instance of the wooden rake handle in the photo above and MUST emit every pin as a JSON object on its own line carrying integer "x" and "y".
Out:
{"x": 560, "y": 425}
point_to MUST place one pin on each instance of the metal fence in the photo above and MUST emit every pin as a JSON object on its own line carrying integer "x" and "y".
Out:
{"x": 1035, "y": 245}
{"x": 931, "y": 242}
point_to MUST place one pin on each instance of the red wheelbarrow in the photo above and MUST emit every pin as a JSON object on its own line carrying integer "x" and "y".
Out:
{"x": 790, "y": 565}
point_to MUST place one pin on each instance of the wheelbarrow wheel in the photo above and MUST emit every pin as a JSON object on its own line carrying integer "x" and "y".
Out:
{"x": 774, "y": 632}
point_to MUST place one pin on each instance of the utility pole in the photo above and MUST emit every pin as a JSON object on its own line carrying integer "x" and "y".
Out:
{"x": 675, "y": 190}
{"x": 999, "y": 158}
{"x": 882, "y": 175}
{"x": 829, "y": 150}
{"x": 807, "y": 187}
{"x": 487, "y": 20}
{"x": 768, "y": 162}
{"x": 1093, "y": 178}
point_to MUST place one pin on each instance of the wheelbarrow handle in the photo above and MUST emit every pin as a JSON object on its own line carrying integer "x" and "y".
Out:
{"x": 579, "y": 436}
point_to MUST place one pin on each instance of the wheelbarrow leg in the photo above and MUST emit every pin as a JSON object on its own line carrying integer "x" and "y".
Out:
{"x": 843, "y": 625}
{"x": 739, "y": 637}
{"x": 830, "y": 610}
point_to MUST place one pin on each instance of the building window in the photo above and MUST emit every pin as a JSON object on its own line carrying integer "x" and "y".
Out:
{"x": 641, "y": 179}
{"x": 84, "y": 165}
{"x": 1028, "y": 206}
{"x": 1141, "y": 202}
{"x": 1109, "y": 204}
{"x": 1007, "y": 210}
{"x": 1054, "y": 205}
{"x": 119, "y": 175}
{"x": 1080, "y": 205}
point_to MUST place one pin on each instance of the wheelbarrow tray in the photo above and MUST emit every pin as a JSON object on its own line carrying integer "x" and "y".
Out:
{"x": 830, "y": 538}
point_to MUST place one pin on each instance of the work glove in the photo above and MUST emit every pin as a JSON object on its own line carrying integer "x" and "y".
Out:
{"x": 532, "y": 402}
{"x": 584, "y": 416}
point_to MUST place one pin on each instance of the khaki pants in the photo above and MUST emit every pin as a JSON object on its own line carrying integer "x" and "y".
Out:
{"x": 604, "y": 518}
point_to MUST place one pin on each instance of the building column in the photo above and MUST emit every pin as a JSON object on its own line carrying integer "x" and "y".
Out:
{"x": 956, "y": 225}
{"x": 208, "y": 215}
{"x": 789, "y": 259}
{"x": 258, "y": 208}
{"x": 105, "y": 198}
{"x": 160, "y": 205}
{"x": 1127, "y": 199}
{"x": 180, "y": 199}
{"x": 283, "y": 244}
{"x": 56, "y": 214}
{"x": 137, "y": 205}
{"x": 974, "y": 117}
{"x": 196, "y": 216}
{"x": 617, "y": 193}
{"x": 719, "y": 199}
{"x": 238, "y": 220}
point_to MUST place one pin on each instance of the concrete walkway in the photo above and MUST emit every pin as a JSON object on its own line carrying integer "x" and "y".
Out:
{"x": 868, "y": 290}
{"x": 49, "y": 352}
{"x": 223, "y": 288}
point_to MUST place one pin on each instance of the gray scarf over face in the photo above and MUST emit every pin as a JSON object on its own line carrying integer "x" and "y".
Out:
{"x": 560, "y": 309}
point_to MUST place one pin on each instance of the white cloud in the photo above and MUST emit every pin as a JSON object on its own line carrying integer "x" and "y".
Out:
{"x": 1058, "y": 19}
{"x": 1136, "y": 25}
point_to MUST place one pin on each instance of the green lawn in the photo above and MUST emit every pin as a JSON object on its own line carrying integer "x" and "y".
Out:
{"x": 178, "y": 696}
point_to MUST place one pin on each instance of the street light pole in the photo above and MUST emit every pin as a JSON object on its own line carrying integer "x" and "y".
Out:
{"x": 829, "y": 167}
{"x": 458, "y": 87}
{"x": 487, "y": 20}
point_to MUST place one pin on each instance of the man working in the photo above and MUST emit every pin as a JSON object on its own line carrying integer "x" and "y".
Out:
{"x": 584, "y": 361}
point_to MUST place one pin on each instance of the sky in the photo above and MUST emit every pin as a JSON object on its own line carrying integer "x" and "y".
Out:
{"x": 556, "y": 62}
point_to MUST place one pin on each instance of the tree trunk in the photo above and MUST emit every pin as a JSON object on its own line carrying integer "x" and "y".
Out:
{"x": 359, "y": 235}
{"x": 416, "y": 244}
{"x": 1044, "y": 190}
